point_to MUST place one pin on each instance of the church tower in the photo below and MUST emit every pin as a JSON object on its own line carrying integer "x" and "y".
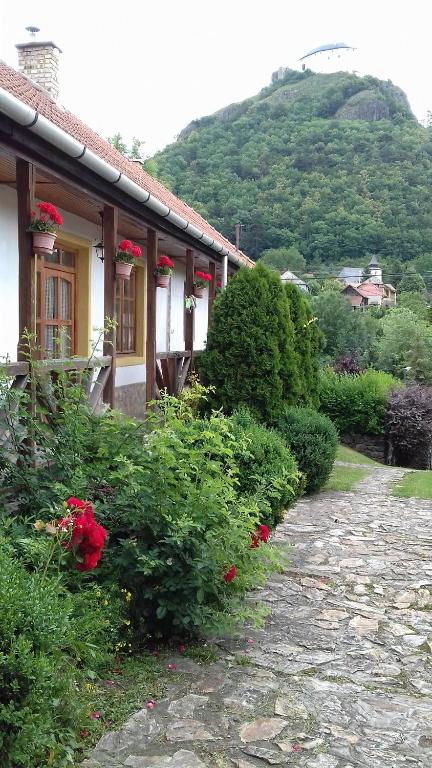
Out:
{"x": 375, "y": 272}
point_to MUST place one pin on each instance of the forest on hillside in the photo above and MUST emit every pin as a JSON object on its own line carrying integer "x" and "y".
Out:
{"x": 334, "y": 165}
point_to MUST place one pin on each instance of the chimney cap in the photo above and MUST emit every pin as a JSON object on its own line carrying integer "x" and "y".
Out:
{"x": 38, "y": 44}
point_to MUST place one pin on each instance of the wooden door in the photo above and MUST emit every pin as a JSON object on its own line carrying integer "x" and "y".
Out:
{"x": 55, "y": 304}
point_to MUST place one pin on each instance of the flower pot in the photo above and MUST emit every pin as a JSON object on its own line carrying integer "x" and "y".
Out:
{"x": 43, "y": 242}
{"x": 198, "y": 292}
{"x": 162, "y": 281}
{"x": 123, "y": 269}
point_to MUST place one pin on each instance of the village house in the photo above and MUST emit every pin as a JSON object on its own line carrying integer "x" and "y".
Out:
{"x": 290, "y": 277}
{"x": 48, "y": 154}
{"x": 363, "y": 293}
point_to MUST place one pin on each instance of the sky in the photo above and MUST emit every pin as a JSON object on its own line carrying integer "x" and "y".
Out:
{"x": 146, "y": 69}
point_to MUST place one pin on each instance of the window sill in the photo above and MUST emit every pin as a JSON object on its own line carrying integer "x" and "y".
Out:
{"x": 124, "y": 360}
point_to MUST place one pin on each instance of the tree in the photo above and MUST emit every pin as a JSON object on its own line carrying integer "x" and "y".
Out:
{"x": 411, "y": 281}
{"x": 336, "y": 320}
{"x": 282, "y": 259}
{"x": 308, "y": 342}
{"x": 135, "y": 152}
{"x": 249, "y": 354}
{"x": 415, "y": 302}
{"x": 405, "y": 346}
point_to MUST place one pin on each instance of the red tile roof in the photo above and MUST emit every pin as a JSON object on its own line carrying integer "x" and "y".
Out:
{"x": 29, "y": 93}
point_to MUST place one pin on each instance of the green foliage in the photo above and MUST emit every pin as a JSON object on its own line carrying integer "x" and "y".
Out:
{"x": 404, "y": 346}
{"x": 307, "y": 162}
{"x": 345, "y": 332}
{"x": 356, "y": 403}
{"x": 250, "y": 358}
{"x": 282, "y": 259}
{"x": 312, "y": 439}
{"x": 412, "y": 282}
{"x": 267, "y": 470}
{"x": 51, "y": 641}
{"x": 308, "y": 343}
{"x": 415, "y": 302}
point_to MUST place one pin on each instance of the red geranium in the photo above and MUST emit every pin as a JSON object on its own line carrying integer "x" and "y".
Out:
{"x": 124, "y": 245}
{"x": 261, "y": 534}
{"x": 47, "y": 220}
{"x": 219, "y": 284}
{"x": 135, "y": 251}
{"x": 203, "y": 276}
{"x": 127, "y": 252}
{"x": 165, "y": 261}
{"x": 230, "y": 574}
{"x": 87, "y": 536}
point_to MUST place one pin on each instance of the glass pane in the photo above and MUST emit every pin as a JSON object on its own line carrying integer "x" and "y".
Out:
{"x": 50, "y": 298}
{"x": 54, "y": 257}
{"x": 65, "y": 300}
{"x": 68, "y": 258}
{"x": 50, "y": 334}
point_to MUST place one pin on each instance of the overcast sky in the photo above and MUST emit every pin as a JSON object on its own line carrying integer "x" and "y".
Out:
{"x": 147, "y": 68}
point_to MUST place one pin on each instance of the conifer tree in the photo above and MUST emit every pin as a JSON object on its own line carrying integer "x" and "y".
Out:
{"x": 308, "y": 342}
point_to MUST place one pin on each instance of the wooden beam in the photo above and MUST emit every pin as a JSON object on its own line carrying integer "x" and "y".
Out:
{"x": 152, "y": 247}
{"x": 211, "y": 288}
{"x": 27, "y": 260}
{"x": 189, "y": 314}
{"x": 109, "y": 346}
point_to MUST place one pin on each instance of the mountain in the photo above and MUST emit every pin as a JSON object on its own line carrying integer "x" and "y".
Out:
{"x": 334, "y": 164}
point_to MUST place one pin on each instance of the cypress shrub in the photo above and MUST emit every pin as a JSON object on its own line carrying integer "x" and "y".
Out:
{"x": 308, "y": 343}
{"x": 312, "y": 439}
{"x": 249, "y": 356}
{"x": 267, "y": 469}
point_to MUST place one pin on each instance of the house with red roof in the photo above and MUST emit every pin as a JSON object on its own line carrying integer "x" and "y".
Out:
{"x": 371, "y": 292}
{"x": 364, "y": 295}
{"x": 62, "y": 294}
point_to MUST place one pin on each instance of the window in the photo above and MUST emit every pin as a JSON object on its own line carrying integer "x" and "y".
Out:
{"x": 126, "y": 314}
{"x": 55, "y": 303}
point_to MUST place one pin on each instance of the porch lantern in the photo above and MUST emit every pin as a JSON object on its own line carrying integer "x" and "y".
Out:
{"x": 99, "y": 247}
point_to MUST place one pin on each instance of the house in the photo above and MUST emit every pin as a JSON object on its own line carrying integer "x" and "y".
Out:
{"x": 48, "y": 154}
{"x": 369, "y": 292}
{"x": 290, "y": 277}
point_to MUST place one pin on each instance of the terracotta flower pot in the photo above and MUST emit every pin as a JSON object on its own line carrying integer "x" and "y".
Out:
{"x": 43, "y": 242}
{"x": 198, "y": 292}
{"x": 162, "y": 281}
{"x": 123, "y": 270}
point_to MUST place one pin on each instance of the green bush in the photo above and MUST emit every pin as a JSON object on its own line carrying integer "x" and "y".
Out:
{"x": 267, "y": 470}
{"x": 51, "y": 641}
{"x": 356, "y": 403}
{"x": 312, "y": 439}
{"x": 308, "y": 343}
{"x": 250, "y": 358}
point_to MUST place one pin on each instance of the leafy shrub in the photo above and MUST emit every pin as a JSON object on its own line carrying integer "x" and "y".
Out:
{"x": 51, "y": 641}
{"x": 267, "y": 470}
{"x": 250, "y": 358}
{"x": 308, "y": 343}
{"x": 312, "y": 439}
{"x": 356, "y": 404}
{"x": 408, "y": 427}
{"x": 347, "y": 364}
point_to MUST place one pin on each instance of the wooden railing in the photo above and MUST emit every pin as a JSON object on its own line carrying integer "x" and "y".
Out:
{"x": 171, "y": 371}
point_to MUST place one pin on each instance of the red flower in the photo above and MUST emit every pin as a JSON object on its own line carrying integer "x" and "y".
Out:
{"x": 124, "y": 245}
{"x": 230, "y": 574}
{"x": 74, "y": 503}
{"x": 219, "y": 284}
{"x": 95, "y": 715}
{"x": 165, "y": 261}
{"x": 203, "y": 276}
{"x": 84, "y": 733}
{"x": 261, "y": 534}
{"x": 135, "y": 251}
{"x": 87, "y": 536}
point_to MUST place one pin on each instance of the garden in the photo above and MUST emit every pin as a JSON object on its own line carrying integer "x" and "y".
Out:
{"x": 119, "y": 538}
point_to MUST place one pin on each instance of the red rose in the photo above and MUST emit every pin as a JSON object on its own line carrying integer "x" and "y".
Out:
{"x": 74, "y": 503}
{"x": 263, "y": 533}
{"x": 230, "y": 574}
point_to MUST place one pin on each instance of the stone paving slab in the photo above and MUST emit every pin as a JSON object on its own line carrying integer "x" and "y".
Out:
{"x": 340, "y": 677}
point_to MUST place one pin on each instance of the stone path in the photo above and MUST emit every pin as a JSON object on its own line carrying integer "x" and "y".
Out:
{"x": 341, "y": 675}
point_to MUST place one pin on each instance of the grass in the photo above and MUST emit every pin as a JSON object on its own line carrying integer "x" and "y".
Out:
{"x": 345, "y": 478}
{"x": 415, "y": 484}
{"x": 107, "y": 704}
{"x": 353, "y": 457}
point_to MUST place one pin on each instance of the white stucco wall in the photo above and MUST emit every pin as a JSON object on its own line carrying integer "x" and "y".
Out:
{"x": 8, "y": 273}
{"x": 201, "y": 320}
{"x": 162, "y": 318}
{"x": 176, "y": 320}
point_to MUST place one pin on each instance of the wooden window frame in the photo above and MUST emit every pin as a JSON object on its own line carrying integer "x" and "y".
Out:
{"x": 120, "y": 285}
{"x": 48, "y": 269}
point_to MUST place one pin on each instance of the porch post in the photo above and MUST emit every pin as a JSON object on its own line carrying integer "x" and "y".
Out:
{"x": 26, "y": 258}
{"x": 211, "y": 288}
{"x": 224, "y": 270}
{"x": 189, "y": 313}
{"x": 109, "y": 346}
{"x": 152, "y": 247}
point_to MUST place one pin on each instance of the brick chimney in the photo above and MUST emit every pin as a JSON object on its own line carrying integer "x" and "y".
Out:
{"x": 40, "y": 62}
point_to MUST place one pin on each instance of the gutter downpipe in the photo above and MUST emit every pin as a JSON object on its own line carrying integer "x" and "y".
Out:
{"x": 29, "y": 118}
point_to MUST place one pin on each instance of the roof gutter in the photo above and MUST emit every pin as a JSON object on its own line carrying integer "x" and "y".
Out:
{"x": 29, "y": 118}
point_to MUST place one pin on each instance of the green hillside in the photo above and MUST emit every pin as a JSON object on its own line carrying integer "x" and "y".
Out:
{"x": 334, "y": 164}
